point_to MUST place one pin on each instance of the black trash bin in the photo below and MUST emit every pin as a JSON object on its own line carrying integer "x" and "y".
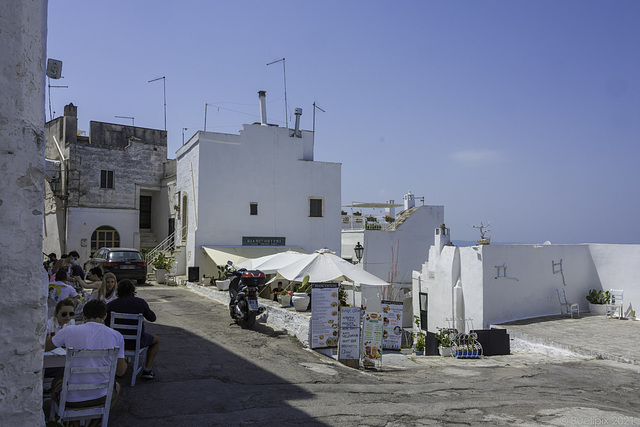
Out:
{"x": 495, "y": 342}
{"x": 194, "y": 274}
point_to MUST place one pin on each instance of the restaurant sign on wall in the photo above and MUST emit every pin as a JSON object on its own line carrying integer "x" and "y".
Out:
{"x": 263, "y": 241}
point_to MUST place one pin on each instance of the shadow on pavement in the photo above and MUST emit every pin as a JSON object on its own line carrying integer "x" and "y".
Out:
{"x": 201, "y": 383}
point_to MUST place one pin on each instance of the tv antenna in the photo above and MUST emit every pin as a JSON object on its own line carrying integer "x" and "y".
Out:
{"x": 286, "y": 108}
{"x": 127, "y": 117}
{"x": 164, "y": 87}
{"x": 314, "y": 118}
{"x": 49, "y": 89}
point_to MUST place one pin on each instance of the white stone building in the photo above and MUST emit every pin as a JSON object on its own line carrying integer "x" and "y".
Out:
{"x": 393, "y": 249}
{"x": 253, "y": 193}
{"x": 491, "y": 284}
{"x": 106, "y": 189}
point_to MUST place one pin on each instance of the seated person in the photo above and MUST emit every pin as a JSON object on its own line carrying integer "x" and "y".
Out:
{"x": 93, "y": 279}
{"x": 106, "y": 291}
{"x": 127, "y": 302}
{"x": 91, "y": 335}
{"x": 74, "y": 263}
{"x": 59, "y": 289}
{"x": 62, "y": 316}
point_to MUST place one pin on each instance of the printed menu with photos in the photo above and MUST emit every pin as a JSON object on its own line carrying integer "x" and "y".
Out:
{"x": 392, "y": 320}
{"x": 372, "y": 329}
{"x": 349, "y": 345}
{"x": 324, "y": 315}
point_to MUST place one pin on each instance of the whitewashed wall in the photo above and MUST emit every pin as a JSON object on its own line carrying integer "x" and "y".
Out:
{"x": 618, "y": 267}
{"x": 260, "y": 165}
{"x": 529, "y": 288}
{"x": 83, "y": 221}
{"x": 23, "y": 303}
{"x": 409, "y": 244}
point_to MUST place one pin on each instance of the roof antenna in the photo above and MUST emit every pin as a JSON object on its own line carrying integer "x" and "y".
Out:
{"x": 286, "y": 108}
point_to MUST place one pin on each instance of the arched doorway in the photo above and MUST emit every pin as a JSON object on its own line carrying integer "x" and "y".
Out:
{"x": 104, "y": 236}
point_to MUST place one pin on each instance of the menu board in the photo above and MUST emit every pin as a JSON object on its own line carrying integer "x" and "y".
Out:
{"x": 372, "y": 329}
{"x": 349, "y": 346}
{"x": 324, "y": 315}
{"x": 392, "y": 321}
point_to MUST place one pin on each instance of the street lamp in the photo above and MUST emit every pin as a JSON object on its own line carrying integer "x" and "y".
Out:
{"x": 359, "y": 250}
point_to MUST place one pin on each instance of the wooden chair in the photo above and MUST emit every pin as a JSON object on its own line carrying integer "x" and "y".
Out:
{"x": 131, "y": 330}
{"x": 615, "y": 305}
{"x": 565, "y": 306}
{"x": 71, "y": 370}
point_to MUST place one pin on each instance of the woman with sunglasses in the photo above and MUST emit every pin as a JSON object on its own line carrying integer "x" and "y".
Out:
{"x": 63, "y": 316}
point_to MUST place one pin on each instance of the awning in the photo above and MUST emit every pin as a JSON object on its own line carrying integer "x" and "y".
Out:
{"x": 237, "y": 254}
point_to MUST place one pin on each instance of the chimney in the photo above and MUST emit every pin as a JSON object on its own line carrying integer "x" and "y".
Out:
{"x": 296, "y": 133}
{"x": 262, "y": 95}
{"x": 409, "y": 201}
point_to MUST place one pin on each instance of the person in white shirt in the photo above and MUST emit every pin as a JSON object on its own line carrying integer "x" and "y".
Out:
{"x": 93, "y": 334}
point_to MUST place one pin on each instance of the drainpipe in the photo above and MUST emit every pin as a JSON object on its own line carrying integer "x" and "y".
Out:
{"x": 64, "y": 197}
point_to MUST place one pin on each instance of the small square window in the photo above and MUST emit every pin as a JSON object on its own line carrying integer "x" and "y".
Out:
{"x": 253, "y": 209}
{"x": 106, "y": 179}
{"x": 315, "y": 207}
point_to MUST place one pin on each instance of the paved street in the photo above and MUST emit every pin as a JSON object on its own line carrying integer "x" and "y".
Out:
{"x": 211, "y": 372}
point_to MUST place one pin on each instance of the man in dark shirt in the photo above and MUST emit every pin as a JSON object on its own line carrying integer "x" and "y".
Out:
{"x": 74, "y": 261}
{"x": 127, "y": 302}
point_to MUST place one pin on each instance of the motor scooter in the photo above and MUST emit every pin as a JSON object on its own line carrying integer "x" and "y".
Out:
{"x": 243, "y": 292}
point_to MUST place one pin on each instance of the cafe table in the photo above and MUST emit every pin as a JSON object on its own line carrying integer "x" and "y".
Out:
{"x": 55, "y": 358}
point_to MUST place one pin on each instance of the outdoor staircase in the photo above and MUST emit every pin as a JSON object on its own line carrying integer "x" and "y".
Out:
{"x": 147, "y": 239}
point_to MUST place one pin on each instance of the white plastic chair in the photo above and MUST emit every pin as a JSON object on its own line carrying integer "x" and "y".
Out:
{"x": 565, "y": 306}
{"x": 70, "y": 370}
{"x": 615, "y": 305}
{"x": 131, "y": 332}
{"x": 172, "y": 274}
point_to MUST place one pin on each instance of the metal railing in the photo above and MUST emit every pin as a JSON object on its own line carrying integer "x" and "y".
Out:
{"x": 167, "y": 244}
{"x": 355, "y": 222}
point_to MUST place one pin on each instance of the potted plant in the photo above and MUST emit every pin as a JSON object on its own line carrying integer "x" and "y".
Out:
{"x": 466, "y": 347}
{"x": 419, "y": 336}
{"x": 445, "y": 340}
{"x": 342, "y": 297}
{"x": 301, "y": 296}
{"x": 371, "y": 218}
{"x": 284, "y": 298}
{"x": 342, "y": 212}
{"x": 222, "y": 282}
{"x": 162, "y": 264}
{"x": 597, "y": 300}
{"x": 389, "y": 218}
{"x": 357, "y": 213}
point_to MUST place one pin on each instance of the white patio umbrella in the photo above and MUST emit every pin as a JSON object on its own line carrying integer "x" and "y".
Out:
{"x": 325, "y": 266}
{"x": 268, "y": 264}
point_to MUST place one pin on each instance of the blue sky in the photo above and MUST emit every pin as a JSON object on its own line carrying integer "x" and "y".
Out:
{"x": 524, "y": 114}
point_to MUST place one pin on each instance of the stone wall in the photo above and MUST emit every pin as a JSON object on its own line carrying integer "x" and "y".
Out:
{"x": 23, "y": 303}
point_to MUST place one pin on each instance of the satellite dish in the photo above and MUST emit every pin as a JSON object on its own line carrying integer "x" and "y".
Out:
{"x": 54, "y": 68}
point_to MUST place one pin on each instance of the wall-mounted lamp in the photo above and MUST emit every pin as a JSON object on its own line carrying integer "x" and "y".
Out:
{"x": 359, "y": 250}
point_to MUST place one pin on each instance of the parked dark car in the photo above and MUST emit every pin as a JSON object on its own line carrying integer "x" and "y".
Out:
{"x": 125, "y": 263}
